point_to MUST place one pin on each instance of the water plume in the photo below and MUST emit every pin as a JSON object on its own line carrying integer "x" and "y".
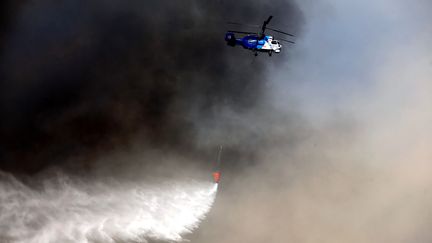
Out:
{"x": 65, "y": 209}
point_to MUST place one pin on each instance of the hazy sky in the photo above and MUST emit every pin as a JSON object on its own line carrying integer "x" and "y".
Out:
{"x": 353, "y": 166}
{"x": 348, "y": 46}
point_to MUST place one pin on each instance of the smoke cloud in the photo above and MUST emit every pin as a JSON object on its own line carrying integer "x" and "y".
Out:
{"x": 329, "y": 142}
{"x": 103, "y": 101}
{"x": 84, "y": 77}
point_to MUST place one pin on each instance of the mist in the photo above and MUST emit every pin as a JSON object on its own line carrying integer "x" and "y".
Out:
{"x": 72, "y": 210}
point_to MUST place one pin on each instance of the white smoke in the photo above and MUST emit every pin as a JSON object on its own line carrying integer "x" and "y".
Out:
{"x": 70, "y": 210}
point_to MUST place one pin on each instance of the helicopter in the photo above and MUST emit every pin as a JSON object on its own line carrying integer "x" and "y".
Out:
{"x": 257, "y": 42}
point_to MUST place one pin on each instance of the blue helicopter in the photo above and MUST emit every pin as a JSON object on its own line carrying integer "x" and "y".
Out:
{"x": 257, "y": 42}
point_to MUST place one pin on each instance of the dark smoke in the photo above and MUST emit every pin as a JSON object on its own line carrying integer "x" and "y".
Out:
{"x": 82, "y": 78}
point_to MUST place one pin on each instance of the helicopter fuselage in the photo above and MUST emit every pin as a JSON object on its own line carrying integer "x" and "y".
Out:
{"x": 254, "y": 42}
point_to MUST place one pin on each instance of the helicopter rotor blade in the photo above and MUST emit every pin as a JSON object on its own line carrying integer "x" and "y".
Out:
{"x": 264, "y": 26}
{"x": 249, "y": 25}
{"x": 279, "y": 31}
{"x": 242, "y": 32}
{"x": 292, "y": 42}
{"x": 268, "y": 20}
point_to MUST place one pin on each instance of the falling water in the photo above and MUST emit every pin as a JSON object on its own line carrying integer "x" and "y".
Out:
{"x": 71, "y": 210}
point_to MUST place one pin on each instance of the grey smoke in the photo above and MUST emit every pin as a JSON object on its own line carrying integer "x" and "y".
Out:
{"x": 81, "y": 78}
{"x": 333, "y": 146}
{"x": 130, "y": 91}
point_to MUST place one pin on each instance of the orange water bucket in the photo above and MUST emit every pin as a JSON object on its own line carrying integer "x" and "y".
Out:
{"x": 216, "y": 176}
